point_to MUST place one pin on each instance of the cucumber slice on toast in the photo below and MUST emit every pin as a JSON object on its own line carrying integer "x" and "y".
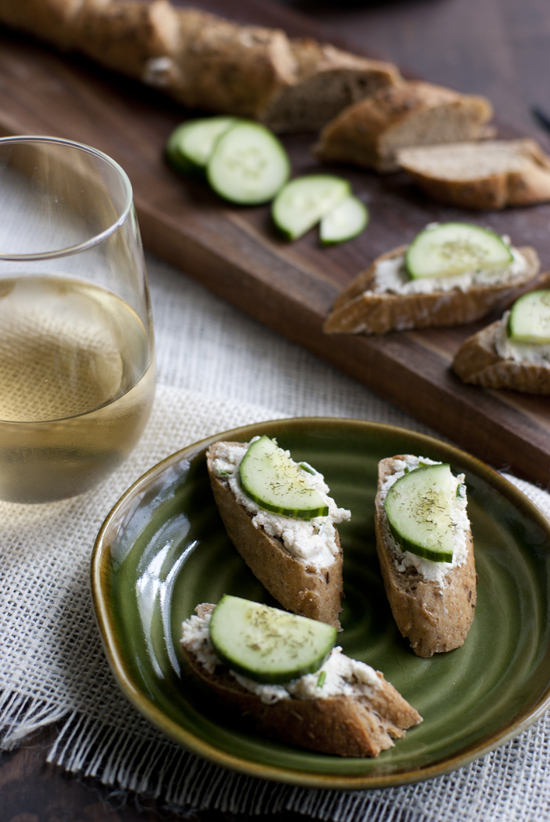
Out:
{"x": 249, "y": 164}
{"x": 266, "y": 644}
{"x": 419, "y": 511}
{"x": 455, "y": 248}
{"x": 303, "y": 202}
{"x": 191, "y": 145}
{"x": 346, "y": 221}
{"x": 529, "y": 320}
{"x": 278, "y": 484}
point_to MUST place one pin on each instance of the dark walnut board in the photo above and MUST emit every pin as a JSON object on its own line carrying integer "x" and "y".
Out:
{"x": 236, "y": 252}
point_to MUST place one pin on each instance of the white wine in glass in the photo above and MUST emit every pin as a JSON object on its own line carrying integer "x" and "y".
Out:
{"x": 77, "y": 368}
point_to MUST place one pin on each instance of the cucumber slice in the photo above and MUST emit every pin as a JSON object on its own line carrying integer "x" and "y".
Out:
{"x": 270, "y": 478}
{"x": 249, "y": 164}
{"x": 455, "y": 248}
{"x": 529, "y": 320}
{"x": 266, "y": 644}
{"x": 304, "y": 201}
{"x": 419, "y": 511}
{"x": 191, "y": 145}
{"x": 348, "y": 219}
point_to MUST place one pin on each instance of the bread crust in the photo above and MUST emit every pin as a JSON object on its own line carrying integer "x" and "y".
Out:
{"x": 358, "y": 310}
{"x": 299, "y": 586}
{"x": 434, "y": 617}
{"x": 477, "y": 362}
{"x": 515, "y": 186}
{"x": 370, "y": 132}
{"x": 342, "y": 725}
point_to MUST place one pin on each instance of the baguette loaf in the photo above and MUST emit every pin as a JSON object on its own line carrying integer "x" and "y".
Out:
{"x": 478, "y": 362}
{"x": 490, "y": 174}
{"x": 434, "y": 615}
{"x": 301, "y": 585}
{"x": 365, "y": 308}
{"x": 371, "y": 132}
{"x": 362, "y": 724}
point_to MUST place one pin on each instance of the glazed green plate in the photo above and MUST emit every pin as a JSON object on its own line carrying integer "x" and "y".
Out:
{"x": 163, "y": 549}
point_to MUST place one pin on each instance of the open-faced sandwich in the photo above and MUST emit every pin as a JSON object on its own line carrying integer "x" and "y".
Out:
{"x": 425, "y": 547}
{"x": 513, "y": 352}
{"x": 282, "y": 521}
{"x": 283, "y": 673}
{"x": 451, "y": 274}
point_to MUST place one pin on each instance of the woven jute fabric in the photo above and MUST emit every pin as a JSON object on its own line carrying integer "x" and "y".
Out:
{"x": 218, "y": 369}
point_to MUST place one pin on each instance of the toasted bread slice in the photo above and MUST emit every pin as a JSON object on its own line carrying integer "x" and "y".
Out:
{"x": 371, "y": 132}
{"x": 360, "y": 725}
{"x": 325, "y": 80}
{"x": 478, "y": 362}
{"x": 362, "y": 308}
{"x": 300, "y": 585}
{"x": 491, "y": 174}
{"x": 433, "y": 615}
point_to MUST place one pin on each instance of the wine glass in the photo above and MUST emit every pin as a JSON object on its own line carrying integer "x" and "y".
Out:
{"x": 77, "y": 367}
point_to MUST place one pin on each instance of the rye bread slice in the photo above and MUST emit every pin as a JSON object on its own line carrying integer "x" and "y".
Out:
{"x": 491, "y": 174}
{"x": 360, "y": 310}
{"x": 297, "y": 584}
{"x": 478, "y": 362}
{"x": 435, "y": 617}
{"x": 340, "y": 725}
{"x": 372, "y": 131}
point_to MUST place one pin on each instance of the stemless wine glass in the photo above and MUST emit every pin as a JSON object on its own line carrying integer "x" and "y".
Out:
{"x": 77, "y": 368}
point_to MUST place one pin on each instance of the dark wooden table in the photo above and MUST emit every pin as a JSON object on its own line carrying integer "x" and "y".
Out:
{"x": 499, "y": 48}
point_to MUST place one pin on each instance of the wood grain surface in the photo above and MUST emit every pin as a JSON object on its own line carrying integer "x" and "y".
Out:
{"x": 290, "y": 287}
{"x": 493, "y": 47}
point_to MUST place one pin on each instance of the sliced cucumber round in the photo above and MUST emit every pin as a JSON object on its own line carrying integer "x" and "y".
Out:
{"x": 191, "y": 145}
{"x": 455, "y": 248}
{"x": 419, "y": 511}
{"x": 266, "y": 644}
{"x": 249, "y": 164}
{"x": 278, "y": 484}
{"x": 303, "y": 202}
{"x": 529, "y": 320}
{"x": 348, "y": 219}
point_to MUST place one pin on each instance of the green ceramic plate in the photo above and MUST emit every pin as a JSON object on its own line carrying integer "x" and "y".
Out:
{"x": 163, "y": 549}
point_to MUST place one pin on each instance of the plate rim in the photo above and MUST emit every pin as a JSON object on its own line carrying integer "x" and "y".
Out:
{"x": 194, "y": 744}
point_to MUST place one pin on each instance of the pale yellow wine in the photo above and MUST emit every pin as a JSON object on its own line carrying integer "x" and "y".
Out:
{"x": 77, "y": 381}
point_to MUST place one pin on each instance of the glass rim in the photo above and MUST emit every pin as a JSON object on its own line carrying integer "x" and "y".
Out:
{"x": 97, "y": 238}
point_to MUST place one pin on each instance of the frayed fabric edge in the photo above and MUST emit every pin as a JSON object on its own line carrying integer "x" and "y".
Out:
{"x": 156, "y": 769}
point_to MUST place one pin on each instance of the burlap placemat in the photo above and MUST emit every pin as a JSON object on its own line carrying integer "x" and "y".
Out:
{"x": 54, "y": 670}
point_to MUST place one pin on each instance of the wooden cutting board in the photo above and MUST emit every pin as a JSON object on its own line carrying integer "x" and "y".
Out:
{"x": 290, "y": 287}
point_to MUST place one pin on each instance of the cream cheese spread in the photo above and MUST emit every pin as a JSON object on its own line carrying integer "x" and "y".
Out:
{"x": 390, "y": 276}
{"x": 338, "y": 676}
{"x": 528, "y": 353}
{"x": 312, "y": 541}
{"x": 430, "y": 570}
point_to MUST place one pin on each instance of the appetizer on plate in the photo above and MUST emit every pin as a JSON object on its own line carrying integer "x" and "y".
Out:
{"x": 513, "y": 352}
{"x": 282, "y": 521}
{"x": 451, "y": 274}
{"x": 425, "y": 547}
{"x": 282, "y": 672}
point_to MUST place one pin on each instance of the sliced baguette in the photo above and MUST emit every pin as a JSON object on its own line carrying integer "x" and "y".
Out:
{"x": 435, "y": 617}
{"x": 361, "y": 309}
{"x": 325, "y": 80}
{"x": 478, "y": 362}
{"x": 362, "y": 725}
{"x": 490, "y": 174}
{"x": 371, "y": 132}
{"x": 297, "y": 584}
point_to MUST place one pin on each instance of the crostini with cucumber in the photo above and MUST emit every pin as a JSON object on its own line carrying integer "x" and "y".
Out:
{"x": 451, "y": 274}
{"x": 425, "y": 548}
{"x": 513, "y": 352}
{"x": 282, "y": 520}
{"x": 281, "y": 672}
